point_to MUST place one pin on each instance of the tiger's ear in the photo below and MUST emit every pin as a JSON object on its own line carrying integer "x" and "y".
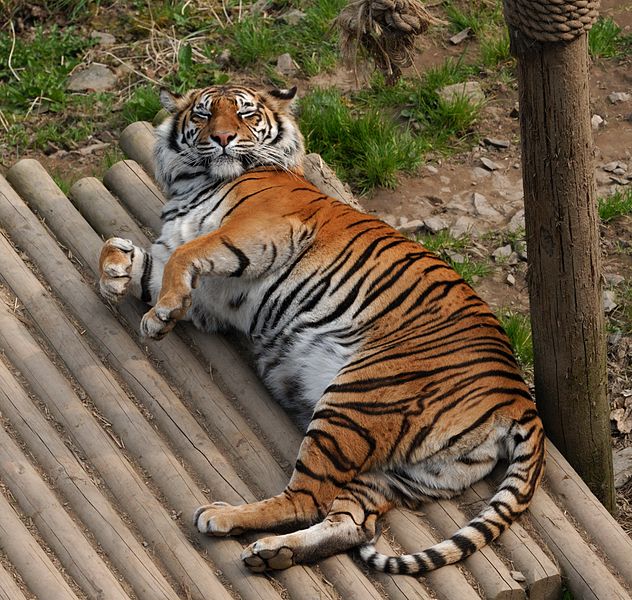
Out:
{"x": 283, "y": 97}
{"x": 169, "y": 100}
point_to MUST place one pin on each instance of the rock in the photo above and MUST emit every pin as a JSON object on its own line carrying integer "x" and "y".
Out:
{"x": 496, "y": 142}
{"x": 609, "y": 301}
{"x": 520, "y": 247}
{"x": 443, "y": 179}
{"x": 470, "y": 89}
{"x": 95, "y": 78}
{"x": 517, "y": 576}
{"x": 616, "y": 166}
{"x": 517, "y": 221}
{"x": 613, "y": 279}
{"x": 622, "y": 463}
{"x": 462, "y": 226}
{"x": 320, "y": 174}
{"x": 483, "y": 208}
{"x": 511, "y": 280}
{"x": 455, "y": 257}
{"x": 432, "y": 169}
{"x": 623, "y": 418}
{"x": 460, "y": 37}
{"x": 490, "y": 165}
{"x": 293, "y": 17}
{"x": 389, "y": 219}
{"x": 513, "y": 259}
{"x": 435, "y": 224}
{"x": 224, "y": 57}
{"x": 596, "y": 121}
{"x": 617, "y": 97}
{"x": 503, "y": 252}
{"x": 103, "y": 38}
{"x": 285, "y": 65}
{"x": 480, "y": 173}
{"x": 410, "y": 227}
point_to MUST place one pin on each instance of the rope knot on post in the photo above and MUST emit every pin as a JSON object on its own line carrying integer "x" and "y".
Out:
{"x": 552, "y": 20}
{"x": 385, "y": 29}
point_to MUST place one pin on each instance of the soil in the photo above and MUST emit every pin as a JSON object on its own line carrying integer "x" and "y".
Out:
{"x": 445, "y": 189}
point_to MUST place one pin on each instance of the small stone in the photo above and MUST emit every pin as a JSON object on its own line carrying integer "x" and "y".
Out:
{"x": 609, "y": 301}
{"x": 619, "y": 181}
{"x": 443, "y": 179}
{"x": 517, "y": 221}
{"x": 293, "y": 17}
{"x": 462, "y": 226}
{"x": 517, "y": 576}
{"x": 285, "y": 65}
{"x": 224, "y": 57}
{"x": 389, "y": 219}
{"x": 513, "y": 259}
{"x": 623, "y": 418}
{"x": 503, "y": 252}
{"x": 613, "y": 279}
{"x": 622, "y": 463}
{"x": 411, "y": 227}
{"x": 460, "y": 37}
{"x": 496, "y": 142}
{"x": 490, "y": 165}
{"x": 470, "y": 89}
{"x": 435, "y": 224}
{"x": 511, "y": 280}
{"x": 432, "y": 169}
{"x": 520, "y": 248}
{"x": 103, "y": 38}
{"x": 616, "y": 166}
{"x": 480, "y": 173}
{"x": 94, "y": 78}
{"x": 455, "y": 257}
{"x": 617, "y": 97}
{"x": 596, "y": 121}
{"x": 483, "y": 208}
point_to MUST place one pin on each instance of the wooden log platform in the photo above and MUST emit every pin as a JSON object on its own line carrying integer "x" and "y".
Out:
{"x": 110, "y": 441}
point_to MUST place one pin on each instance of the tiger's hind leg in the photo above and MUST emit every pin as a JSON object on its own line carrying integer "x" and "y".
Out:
{"x": 351, "y": 521}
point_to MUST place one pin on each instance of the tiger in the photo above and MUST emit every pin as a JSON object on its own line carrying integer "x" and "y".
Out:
{"x": 401, "y": 377}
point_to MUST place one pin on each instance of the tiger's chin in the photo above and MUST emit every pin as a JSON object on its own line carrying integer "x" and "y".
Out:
{"x": 225, "y": 168}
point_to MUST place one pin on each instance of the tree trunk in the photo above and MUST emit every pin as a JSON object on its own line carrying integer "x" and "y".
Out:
{"x": 564, "y": 257}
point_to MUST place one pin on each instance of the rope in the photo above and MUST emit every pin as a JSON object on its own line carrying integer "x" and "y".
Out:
{"x": 552, "y": 20}
{"x": 385, "y": 29}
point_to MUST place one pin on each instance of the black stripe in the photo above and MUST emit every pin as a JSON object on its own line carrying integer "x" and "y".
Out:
{"x": 244, "y": 261}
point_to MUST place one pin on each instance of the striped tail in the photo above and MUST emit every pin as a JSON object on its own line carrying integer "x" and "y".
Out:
{"x": 510, "y": 500}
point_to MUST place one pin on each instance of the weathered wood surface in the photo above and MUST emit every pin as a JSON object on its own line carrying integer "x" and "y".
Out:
{"x": 142, "y": 429}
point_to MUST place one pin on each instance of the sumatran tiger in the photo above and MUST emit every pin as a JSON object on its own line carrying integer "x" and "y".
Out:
{"x": 400, "y": 374}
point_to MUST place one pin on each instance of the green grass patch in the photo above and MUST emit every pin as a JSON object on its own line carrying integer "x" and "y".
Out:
{"x": 495, "y": 49}
{"x": 478, "y": 15}
{"x": 615, "y": 205}
{"x": 42, "y": 65}
{"x": 143, "y": 105}
{"x": 518, "y": 329}
{"x": 606, "y": 40}
{"x": 367, "y": 149}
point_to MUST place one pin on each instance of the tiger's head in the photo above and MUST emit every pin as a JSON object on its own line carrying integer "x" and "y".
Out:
{"x": 222, "y": 131}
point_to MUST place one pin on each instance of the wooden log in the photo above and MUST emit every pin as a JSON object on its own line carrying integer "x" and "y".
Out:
{"x": 448, "y": 582}
{"x": 576, "y": 497}
{"x": 59, "y": 531}
{"x": 490, "y": 572}
{"x": 157, "y": 526}
{"x": 250, "y": 393}
{"x": 543, "y": 578}
{"x": 137, "y": 141}
{"x": 88, "y": 308}
{"x": 226, "y": 425}
{"x": 69, "y": 477}
{"x": 585, "y": 575}
{"x": 97, "y": 205}
{"x": 565, "y": 288}
{"x": 29, "y": 559}
{"x": 167, "y": 472}
{"x": 127, "y": 177}
{"x": 9, "y": 589}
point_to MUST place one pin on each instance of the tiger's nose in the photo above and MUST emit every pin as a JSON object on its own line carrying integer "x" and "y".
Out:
{"x": 223, "y": 138}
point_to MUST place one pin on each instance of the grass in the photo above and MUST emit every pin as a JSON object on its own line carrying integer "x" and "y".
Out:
{"x": 39, "y": 68}
{"x": 143, "y": 104}
{"x": 518, "y": 329}
{"x": 615, "y": 205}
{"x": 479, "y": 15}
{"x": 366, "y": 149}
{"x": 620, "y": 320}
{"x": 606, "y": 40}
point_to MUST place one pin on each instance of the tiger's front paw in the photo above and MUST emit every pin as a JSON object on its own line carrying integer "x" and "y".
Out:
{"x": 115, "y": 265}
{"x": 162, "y": 318}
{"x": 268, "y": 553}
{"x": 216, "y": 520}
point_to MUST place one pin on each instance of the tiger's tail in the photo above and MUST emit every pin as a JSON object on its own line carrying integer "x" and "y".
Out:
{"x": 525, "y": 441}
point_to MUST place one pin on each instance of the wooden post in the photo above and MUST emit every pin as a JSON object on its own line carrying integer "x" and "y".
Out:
{"x": 563, "y": 246}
